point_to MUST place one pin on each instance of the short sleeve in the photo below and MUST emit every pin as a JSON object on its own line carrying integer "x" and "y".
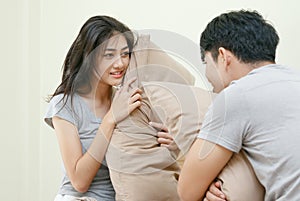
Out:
{"x": 226, "y": 122}
{"x": 61, "y": 107}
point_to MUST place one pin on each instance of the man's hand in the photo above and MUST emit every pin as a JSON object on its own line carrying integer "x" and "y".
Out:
{"x": 215, "y": 193}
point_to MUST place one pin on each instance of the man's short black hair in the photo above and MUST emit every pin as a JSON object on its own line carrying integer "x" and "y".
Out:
{"x": 245, "y": 33}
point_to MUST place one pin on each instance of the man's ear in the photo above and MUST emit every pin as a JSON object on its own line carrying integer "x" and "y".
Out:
{"x": 225, "y": 58}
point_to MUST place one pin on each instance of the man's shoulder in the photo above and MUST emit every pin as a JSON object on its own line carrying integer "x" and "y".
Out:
{"x": 264, "y": 76}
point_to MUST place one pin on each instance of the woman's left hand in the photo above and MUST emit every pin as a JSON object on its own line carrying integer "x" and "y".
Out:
{"x": 165, "y": 139}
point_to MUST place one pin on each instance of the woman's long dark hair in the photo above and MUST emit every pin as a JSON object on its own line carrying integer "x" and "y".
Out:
{"x": 81, "y": 58}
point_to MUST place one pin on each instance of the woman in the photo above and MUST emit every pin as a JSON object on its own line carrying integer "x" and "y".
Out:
{"x": 82, "y": 111}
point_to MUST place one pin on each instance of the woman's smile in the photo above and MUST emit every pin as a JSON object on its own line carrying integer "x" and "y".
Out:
{"x": 117, "y": 74}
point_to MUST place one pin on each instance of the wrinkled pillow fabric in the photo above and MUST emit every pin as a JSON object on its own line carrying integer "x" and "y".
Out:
{"x": 180, "y": 107}
{"x": 239, "y": 180}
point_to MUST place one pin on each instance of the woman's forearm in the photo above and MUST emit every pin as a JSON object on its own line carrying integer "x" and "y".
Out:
{"x": 102, "y": 139}
{"x": 88, "y": 165}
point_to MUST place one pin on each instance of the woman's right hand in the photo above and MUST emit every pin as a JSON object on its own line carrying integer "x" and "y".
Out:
{"x": 126, "y": 100}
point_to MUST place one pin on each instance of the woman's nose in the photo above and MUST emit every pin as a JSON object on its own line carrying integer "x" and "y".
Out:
{"x": 118, "y": 62}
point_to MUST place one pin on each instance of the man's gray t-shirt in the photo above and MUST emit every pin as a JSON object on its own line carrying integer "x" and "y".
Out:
{"x": 79, "y": 114}
{"x": 260, "y": 113}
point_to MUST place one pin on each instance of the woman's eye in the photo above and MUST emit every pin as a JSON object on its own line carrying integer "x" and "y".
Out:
{"x": 108, "y": 55}
{"x": 124, "y": 54}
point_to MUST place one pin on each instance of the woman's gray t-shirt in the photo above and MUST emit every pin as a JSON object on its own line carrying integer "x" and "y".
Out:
{"x": 79, "y": 114}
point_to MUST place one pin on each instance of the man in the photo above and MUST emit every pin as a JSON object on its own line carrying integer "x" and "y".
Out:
{"x": 257, "y": 110}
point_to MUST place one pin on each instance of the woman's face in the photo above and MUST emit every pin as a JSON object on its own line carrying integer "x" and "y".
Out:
{"x": 113, "y": 61}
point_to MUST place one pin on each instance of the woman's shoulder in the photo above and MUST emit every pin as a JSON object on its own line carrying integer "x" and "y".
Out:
{"x": 62, "y": 100}
{"x": 62, "y": 106}
{"x": 59, "y": 98}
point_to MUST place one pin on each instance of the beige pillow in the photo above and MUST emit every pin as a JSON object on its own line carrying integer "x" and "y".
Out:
{"x": 240, "y": 181}
{"x": 180, "y": 107}
{"x": 140, "y": 169}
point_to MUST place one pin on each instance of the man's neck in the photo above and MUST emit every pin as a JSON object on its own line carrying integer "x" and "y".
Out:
{"x": 260, "y": 64}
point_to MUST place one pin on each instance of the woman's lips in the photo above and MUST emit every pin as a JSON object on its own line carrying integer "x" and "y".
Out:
{"x": 117, "y": 74}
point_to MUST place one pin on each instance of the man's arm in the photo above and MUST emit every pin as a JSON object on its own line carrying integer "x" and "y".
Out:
{"x": 203, "y": 163}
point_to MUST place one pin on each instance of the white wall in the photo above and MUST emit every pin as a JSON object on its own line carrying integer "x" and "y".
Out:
{"x": 35, "y": 36}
